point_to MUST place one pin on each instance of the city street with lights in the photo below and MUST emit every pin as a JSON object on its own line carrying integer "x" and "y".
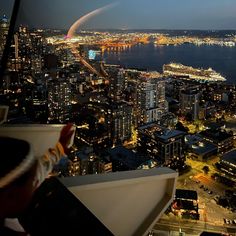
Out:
{"x": 190, "y": 228}
{"x": 211, "y": 215}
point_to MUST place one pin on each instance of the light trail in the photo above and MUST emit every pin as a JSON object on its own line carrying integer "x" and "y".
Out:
{"x": 86, "y": 17}
{"x": 76, "y": 25}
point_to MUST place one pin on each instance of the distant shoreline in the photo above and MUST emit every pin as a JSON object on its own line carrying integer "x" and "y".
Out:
{"x": 150, "y": 58}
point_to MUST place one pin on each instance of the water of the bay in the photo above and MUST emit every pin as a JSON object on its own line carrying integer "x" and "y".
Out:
{"x": 151, "y": 57}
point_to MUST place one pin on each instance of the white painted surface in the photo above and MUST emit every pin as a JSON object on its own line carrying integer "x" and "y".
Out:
{"x": 41, "y": 137}
{"x": 127, "y": 203}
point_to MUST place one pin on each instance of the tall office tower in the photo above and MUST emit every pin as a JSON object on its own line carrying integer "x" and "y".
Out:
{"x": 4, "y": 26}
{"x": 39, "y": 43}
{"x": 120, "y": 121}
{"x": 13, "y": 63}
{"x": 27, "y": 52}
{"x": 39, "y": 49}
{"x": 118, "y": 83}
{"x": 189, "y": 102}
{"x": 161, "y": 97}
{"x": 151, "y": 100}
{"x": 23, "y": 50}
{"x": 59, "y": 100}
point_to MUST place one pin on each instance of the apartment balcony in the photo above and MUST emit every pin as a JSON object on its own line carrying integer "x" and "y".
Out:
{"x": 120, "y": 203}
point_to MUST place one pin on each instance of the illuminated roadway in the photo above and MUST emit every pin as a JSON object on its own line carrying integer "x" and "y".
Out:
{"x": 211, "y": 215}
{"x": 75, "y": 26}
{"x": 83, "y": 61}
{"x": 107, "y": 44}
{"x": 194, "y": 227}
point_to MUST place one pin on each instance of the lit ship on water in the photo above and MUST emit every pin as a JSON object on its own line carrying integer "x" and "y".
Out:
{"x": 188, "y": 72}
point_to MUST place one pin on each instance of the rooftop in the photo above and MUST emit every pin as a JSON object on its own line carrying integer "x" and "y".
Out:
{"x": 216, "y": 136}
{"x": 193, "y": 139}
{"x": 199, "y": 146}
{"x": 186, "y": 194}
{"x": 169, "y": 134}
{"x": 160, "y": 132}
{"x": 215, "y": 125}
{"x": 204, "y": 148}
{"x": 230, "y": 157}
{"x": 127, "y": 157}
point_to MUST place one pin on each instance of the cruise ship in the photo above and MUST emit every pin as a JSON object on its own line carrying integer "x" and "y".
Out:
{"x": 188, "y": 72}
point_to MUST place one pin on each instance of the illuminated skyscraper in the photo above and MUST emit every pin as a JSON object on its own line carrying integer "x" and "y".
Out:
{"x": 118, "y": 83}
{"x": 59, "y": 100}
{"x": 151, "y": 100}
{"x": 189, "y": 102}
{"x": 120, "y": 121}
{"x": 4, "y": 26}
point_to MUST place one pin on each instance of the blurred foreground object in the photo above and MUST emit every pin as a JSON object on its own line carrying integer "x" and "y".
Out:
{"x": 41, "y": 137}
{"x": 3, "y": 114}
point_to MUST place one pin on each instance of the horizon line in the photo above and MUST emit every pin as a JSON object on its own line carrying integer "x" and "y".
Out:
{"x": 133, "y": 29}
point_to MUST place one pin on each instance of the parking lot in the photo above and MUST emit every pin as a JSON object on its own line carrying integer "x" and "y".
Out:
{"x": 208, "y": 192}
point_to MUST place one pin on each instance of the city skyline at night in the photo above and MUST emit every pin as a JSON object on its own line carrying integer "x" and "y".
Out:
{"x": 149, "y": 87}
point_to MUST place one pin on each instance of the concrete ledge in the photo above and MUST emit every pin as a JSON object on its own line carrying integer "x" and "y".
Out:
{"x": 127, "y": 203}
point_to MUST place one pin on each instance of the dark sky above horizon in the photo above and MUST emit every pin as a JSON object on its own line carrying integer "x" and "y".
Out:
{"x": 128, "y": 14}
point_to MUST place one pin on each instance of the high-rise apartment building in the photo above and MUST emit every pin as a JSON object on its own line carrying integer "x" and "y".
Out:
{"x": 120, "y": 121}
{"x": 27, "y": 51}
{"x": 151, "y": 100}
{"x": 59, "y": 100}
{"x": 118, "y": 83}
{"x": 189, "y": 102}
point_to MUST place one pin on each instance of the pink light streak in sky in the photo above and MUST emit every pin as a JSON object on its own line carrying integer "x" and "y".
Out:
{"x": 86, "y": 17}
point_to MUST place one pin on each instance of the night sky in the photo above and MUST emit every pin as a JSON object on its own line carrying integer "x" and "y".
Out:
{"x": 128, "y": 14}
